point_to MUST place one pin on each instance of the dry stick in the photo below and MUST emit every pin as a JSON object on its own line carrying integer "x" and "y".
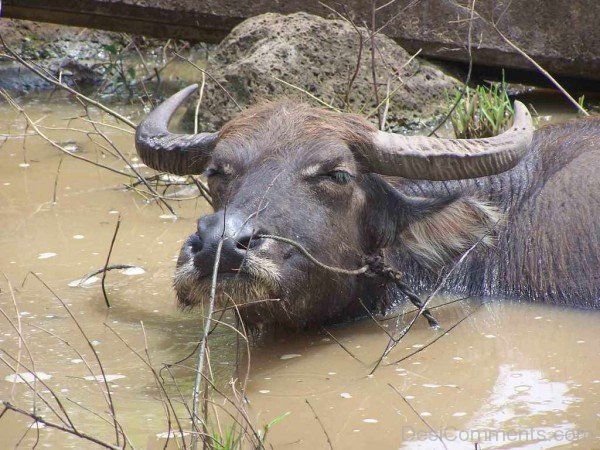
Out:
{"x": 87, "y": 437}
{"x": 197, "y": 110}
{"x": 387, "y": 104}
{"x": 133, "y": 169}
{"x": 158, "y": 385}
{"x": 373, "y": 65}
{"x": 21, "y": 341}
{"x": 202, "y": 350}
{"x": 358, "y": 56}
{"x": 104, "y": 270}
{"x": 54, "y": 81}
{"x": 419, "y": 416}
{"x": 218, "y": 322}
{"x": 154, "y": 373}
{"x": 392, "y": 343}
{"x": 342, "y": 346}
{"x": 79, "y": 355}
{"x": 320, "y": 423}
{"x": 437, "y": 338}
{"x": 66, "y": 420}
{"x": 304, "y": 91}
{"x": 228, "y": 400}
{"x": 104, "y": 419}
{"x": 384, "y": 319}
{"x": 111, "y": 404}
{"x": 245, "y": 337}
{"x": 396, "y": 89}
{"x": 211, "y": 77}
{"x": 107, "y": 125}
{"x": 34, "y": 125}
{"x": 541, "y": 69}
{"x": 56, "y": 179}
{"x": 381, "y": 327}
{"x": 166, "y": 63}
{"x": 305, "y": 252}
{"x": 468, "y": 77}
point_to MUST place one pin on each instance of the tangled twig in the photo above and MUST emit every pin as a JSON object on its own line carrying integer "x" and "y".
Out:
{"x": 374, "y": 267}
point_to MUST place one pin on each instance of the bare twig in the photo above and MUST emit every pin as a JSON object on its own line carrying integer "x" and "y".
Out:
{"x": 197, "y": 110}
{"x": 419, "y": 416}
{"x": 39, "y": 419}
{"x": 202, "y": 349}
{"x": 111, "y": 404}
{"x": 541, "y": 70}
{"x": 31, "y": 66}
{"x": 468, "y": 77}
{"x": 34, "y": 125}
{"x": 211, "y": 77}
{"x": 104, "y": 270}
{"x": 343, "y": 347}
{"x": 320, "y": 423}
{"x": 393, "y": 342}
{"x": 304, "y": 91}
{"x": 306, "y": 253}
{"x": 437, "y": 338}
{"x": 148, "y": 364}
{"x": 373, "y": 65}
{"x": 56, "y": 179}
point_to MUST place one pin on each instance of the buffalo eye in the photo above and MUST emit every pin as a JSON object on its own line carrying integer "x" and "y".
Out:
{"x": 218, "y": 171}
{"x": 213, "y": 172}
{"x": 340, "y": 176}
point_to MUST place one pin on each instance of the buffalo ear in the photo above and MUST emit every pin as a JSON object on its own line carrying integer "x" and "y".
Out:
{"x": 433, "y": 230}
{"x": 436, "y": 239}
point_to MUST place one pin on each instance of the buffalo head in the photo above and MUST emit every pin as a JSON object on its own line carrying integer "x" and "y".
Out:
{"x": 325, "y": 180}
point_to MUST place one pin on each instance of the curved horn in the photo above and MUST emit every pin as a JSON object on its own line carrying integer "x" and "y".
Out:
{"x": 424, "y": 158}
{"x": 180, "y": 154}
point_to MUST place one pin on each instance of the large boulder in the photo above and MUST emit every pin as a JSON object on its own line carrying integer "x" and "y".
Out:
{"x": 305, "y": 56}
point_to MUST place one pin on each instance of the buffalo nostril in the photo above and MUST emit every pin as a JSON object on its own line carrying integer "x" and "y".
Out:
{"x": 196, "y": 244}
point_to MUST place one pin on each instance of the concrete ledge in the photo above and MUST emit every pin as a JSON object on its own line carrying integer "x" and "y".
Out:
{"x": 561, "y": 35}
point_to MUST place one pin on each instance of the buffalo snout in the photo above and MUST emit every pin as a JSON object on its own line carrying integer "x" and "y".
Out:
{"x": 239, "y": 235}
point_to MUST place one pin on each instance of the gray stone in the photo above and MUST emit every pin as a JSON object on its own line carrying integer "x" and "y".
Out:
{"x": 319, "y": 57}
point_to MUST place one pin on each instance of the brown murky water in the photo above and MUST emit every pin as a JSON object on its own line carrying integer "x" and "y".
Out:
{"x": 509, "y": 376}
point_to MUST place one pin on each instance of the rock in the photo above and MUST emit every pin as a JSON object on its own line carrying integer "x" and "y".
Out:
{"x": 319, "y": 56}
{"x": 78, "y": 55}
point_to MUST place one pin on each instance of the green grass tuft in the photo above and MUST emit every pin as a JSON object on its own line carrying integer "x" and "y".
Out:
{"x": 481, "y": 112}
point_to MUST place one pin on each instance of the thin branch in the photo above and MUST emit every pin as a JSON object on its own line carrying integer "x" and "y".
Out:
{"x": 211, "y": 77}
{"x": 304, "y": 91}
{"x": 306, "y": 253}
{"x": 39, "y": 419}
{"x": 437, "y": 338}
{"x": 56, "y": 82}
{"x": 320, "y": 423}
{"x": 205, "y": 331}
{"x": 91, "y": 346}
{"x": 541, "y": 69}
{"x": 104, "y": 270}
{"x": 343, "y": 347}
{"x": 34, "y": 125}
{"x": 419, "y": 416}
{"x": 468, "y": 77}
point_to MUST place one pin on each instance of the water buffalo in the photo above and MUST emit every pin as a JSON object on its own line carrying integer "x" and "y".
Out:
{"x": 345, "y": 190}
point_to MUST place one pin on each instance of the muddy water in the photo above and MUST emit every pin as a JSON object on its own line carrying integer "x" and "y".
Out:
{"x": 508, "y": 376}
